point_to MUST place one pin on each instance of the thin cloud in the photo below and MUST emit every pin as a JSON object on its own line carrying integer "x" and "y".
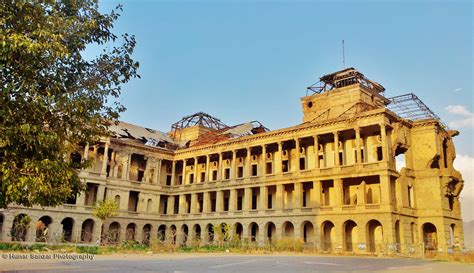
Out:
{"x": 457, "y": 90}
{"x": 465, "y": 165}
{"x": 468, "y": 117}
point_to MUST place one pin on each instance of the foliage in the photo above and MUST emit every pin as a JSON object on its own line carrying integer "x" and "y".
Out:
{"x": 105, "y": 209}
{"x": 53, "y": 98}
{"x": 21, "y": 223}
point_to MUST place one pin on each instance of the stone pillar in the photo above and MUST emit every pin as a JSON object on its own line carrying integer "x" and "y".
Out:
{"x": 105, "y": 160}
{"x": 262, "y": 161}
{"x": 206, "y": 202}
{"x": 279, "y": 196}
{"x": 316, "y": 152}
{"x": 208, "y": 167}
{"x": 233, "y": 169}
{"x": 233, "y": 200}
{"x": 297, "y": 148}
{"x": 194, "y": 204}
{"x": 263, "y": 198}
{"x": 86, "y": 152}
{"x": 219, "y": 167}
{"x": 100, "y": 193}
{"x": 173, "y": 171}
{"x": 316, "y": 193}
{"x": 219, "y": 201}
{"x": 158, "y": 172}
{"x": 127, "y": 167}
{"x": 358, "y": 151}
{"x": 195, "y": 179}
{"x": 336, "y": 149}
{"x": 383, "y": 136}
{"x": 183, "y": 173}
{"x": 361, "y": 198}
{"x": 297, "y": 195}
{"x": 183, "y": 207}
{"x": 385, "y": 189}
{"x": 81, "y": 199}
{"x": 247, "y": 163}
{"x": 278, "y": 159}
{"x": 170, "y": 205}
{"x": 247, "y": 199}
{"x": 338, "y": 189}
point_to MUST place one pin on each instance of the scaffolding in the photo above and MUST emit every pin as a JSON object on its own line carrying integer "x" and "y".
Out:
{"x": 199, "y": 119}
{"x": 410, "y": 107}
{"x": 345, "y": 77}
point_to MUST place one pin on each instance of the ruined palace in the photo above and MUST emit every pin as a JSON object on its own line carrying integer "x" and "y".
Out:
{"x": 331, "y": 181}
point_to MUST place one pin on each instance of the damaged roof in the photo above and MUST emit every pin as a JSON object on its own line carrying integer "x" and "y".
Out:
{"x": 147, "y": 136}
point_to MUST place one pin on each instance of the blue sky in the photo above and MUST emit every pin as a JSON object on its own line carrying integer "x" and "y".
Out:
{"x": 252, "y": 60}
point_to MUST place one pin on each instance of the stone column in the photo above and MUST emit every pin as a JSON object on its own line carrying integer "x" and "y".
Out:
{"x": 247, "y": 163}
{"x": 173, "y": 171}
{"x": 338, "y": 189}
{"x": 383, "y": 136}
{"x": 194, "y": 203}
{"x": 262, "y": 161}
{"x": 170, "y": 205}
{"x": 158, "y": 172}
{"x": 316, "y": 196}
{"x": 219, "y": 167}
{"x": 127, "y": 167}
{"x": 86, "y": 152}
{"x": 316, "y": 152}
{"x": 297, "y": 147}
{"x": 247, "y": 199}
{"x": 100, "y": 192}
{"x": 182, "y": 204}
{"x": 297, "y": 195}
{"x": 279, "y": 197}
{"x": 336, "y": 149}
{"x": 278, "y": 159}
{"x": 195, "y": 179}
{"x": 105, "y": 160}
{"x": 361, "y": 198}
{"x": 358, "y": 151}
{"x": 233, "y": 200}
{"x": 208, "y": 163}
{"x": 385, "y": 189}
{"x": 206, "y": 202}
{"x": 183, "y": 173}
{"x": 263, "y": 198}
{"x": 219, "y": 201}
{"x": 233, "y": 170}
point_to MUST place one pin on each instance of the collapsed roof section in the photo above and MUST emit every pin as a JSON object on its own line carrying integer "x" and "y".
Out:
{"x": 230, "y": 132}
{"x": 146, "y": 136}
{"x": 410, "y": 107}
{"x": 345, "y": 77}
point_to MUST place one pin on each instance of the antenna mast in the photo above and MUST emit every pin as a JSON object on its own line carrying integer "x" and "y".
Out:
{"x": 343, "y": 55}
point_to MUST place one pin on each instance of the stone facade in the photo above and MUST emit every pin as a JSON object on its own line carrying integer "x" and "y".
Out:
{"x": 331, "y": 181}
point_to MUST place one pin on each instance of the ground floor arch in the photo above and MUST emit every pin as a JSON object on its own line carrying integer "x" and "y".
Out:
{"x": 67, "y": 229}
{"x": 307, "y": 229}
{"x": 161, "y": 233}
{"x": 327, "y": 236}
{"x": 374, "y": 236}
{"x": 350, "y": 235}
{"x": 113, "y": 235}
{"x": 146, "y": 234}
{"x": 42, "y": 228}
{"x": 270, "y": 232}
{"x": 87, "y": 231}
{"x": 430, "y": 236}
{"x": 253, "y": 232}
{"x": 288, "y": 230}
{"x": 238, "y": 230}
{"x": 130, "y": 232}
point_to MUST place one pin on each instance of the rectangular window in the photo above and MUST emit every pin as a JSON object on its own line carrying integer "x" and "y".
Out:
{"x": 191, "y": 178}
{"x": 240, "y": 172}
{"x": 269, "y": 202}
{"x": 168, "y": 180}
{"x": 379, "y": 154}
{"x": 214, "y": 175}
{"x": 269, "y": 168}
{"x": 302, "y": 164}
{"x": 227, "y": 173}
{"x": 254, "y": 170}
{"x": 203, "y": 176}
{"x": 239, "y": 202}
{"x": 284, "y": 166}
